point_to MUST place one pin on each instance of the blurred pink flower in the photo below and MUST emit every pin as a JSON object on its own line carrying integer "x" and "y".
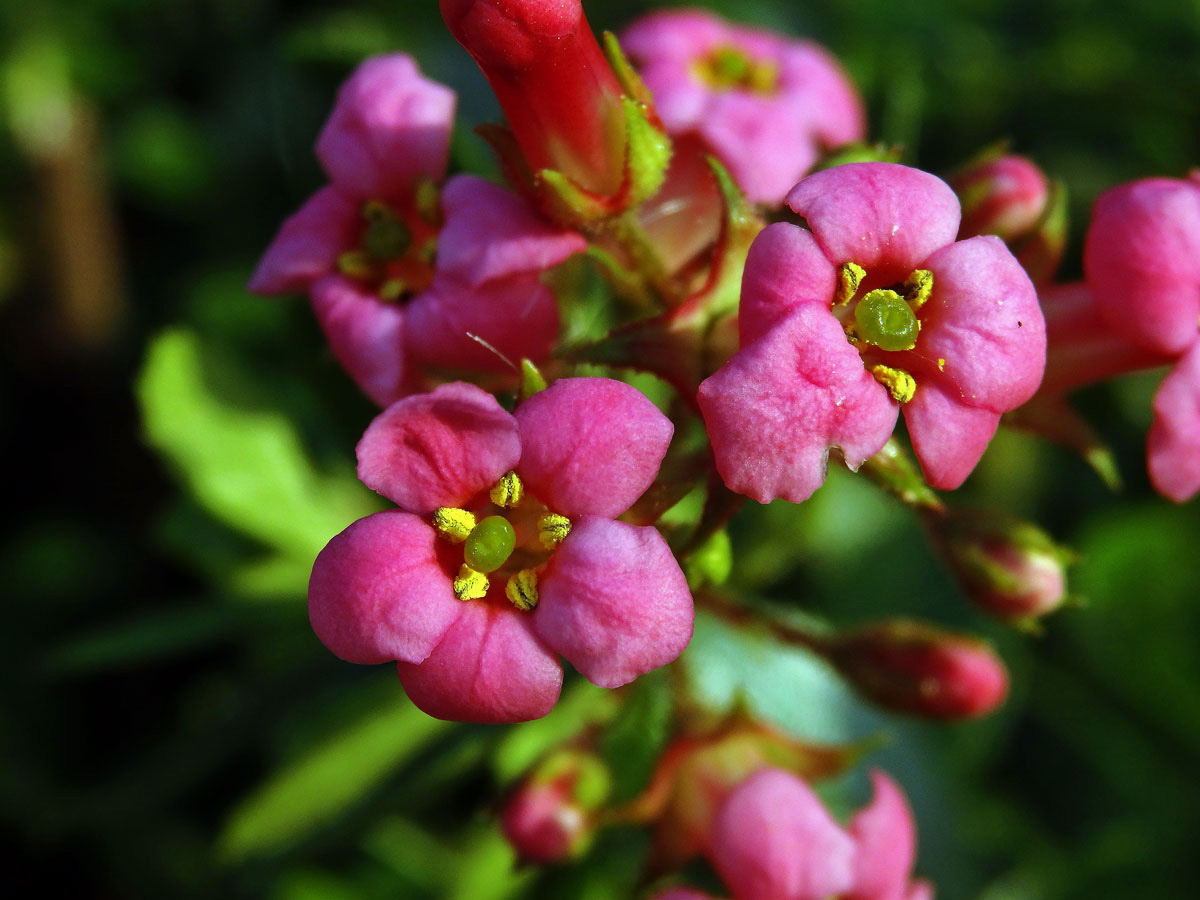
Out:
{"x": 608, "y": 596}
{"x": 397, "y": 274}
{"x": 872, "y": 308}
{"x": 766, "y": 106}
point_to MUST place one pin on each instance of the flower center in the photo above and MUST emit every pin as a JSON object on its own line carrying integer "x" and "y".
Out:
{"x": 514, "y": 545}
{"x": 728, "y": 68}
{"x": 396, "y": 247}
{"x": 885, "y": 319}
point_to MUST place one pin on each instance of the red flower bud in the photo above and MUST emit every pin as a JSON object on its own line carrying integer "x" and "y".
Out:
{"x": 1010, "y": 197}
{"x": 549, "y": 817}
{"x": 1009, "y": 568}
{"x": 557, "y": 90}
{"x": 915, "y": 668}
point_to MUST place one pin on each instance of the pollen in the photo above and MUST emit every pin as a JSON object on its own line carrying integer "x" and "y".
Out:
{"x": 508, "y": 492}
{"x": 899, "y": 383}
{"x": 553, "y": 529}
{"x": 917, "y": 287}
{"x": 470, "y": 585}
{"x": 850, "y": 276}
{"x": 453, "y": 524}
{"x": 522, "y": 591}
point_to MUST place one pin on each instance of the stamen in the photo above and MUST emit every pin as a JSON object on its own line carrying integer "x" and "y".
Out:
{"x": 392, "y": 290}
{"x": 553, "y": 530}
{"x": 899, "y": 383}
{"x": 508, "y": 492}
{"x": 850, "y": 276}
{"x": 522, "y": 591}
{"x": 728, "y": 68}
{"x": 428, "y": 201}
{"x": 490, "y": 544}
{"x": 453, "y": 524}
{"x": 357, "y": 265}
{"x": 883, "y": 318}
{"x": 470, "y": 585}
{"x": 917, "y": 287}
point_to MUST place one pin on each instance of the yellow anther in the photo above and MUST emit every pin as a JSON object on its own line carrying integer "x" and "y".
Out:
{"x": 470, "y": 585}
{"x": 899, "y": 383}
{"x": 429, "y": 202}
{"x": 522, "y": 591}
{"x": 941, "y": 364}
{"x": 850, "y": 276}
{"x": 453, "y": 523}
{"x": 553, "y": 529}
{"x": 508, "y": 492}
{"x": 357, "y": 264}
{"x": 392, "y": 290}
{"x": 917, "y": 287}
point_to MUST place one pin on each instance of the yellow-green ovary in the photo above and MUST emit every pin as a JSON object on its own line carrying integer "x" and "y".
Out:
{"x": 490, "y": 544}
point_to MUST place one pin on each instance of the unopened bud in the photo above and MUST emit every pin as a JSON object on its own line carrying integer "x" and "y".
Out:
{"x": 1008, "y": 568}
{"x": 1010, "y": 197}
{"x": 551, "y": 815}
{"x": 558, "y": 92}
{"x": 914, "y": 668}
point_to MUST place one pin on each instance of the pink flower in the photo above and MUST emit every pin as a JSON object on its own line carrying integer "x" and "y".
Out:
{"x": 871, "y": 308}
{"x": 766, "y": 106}
{"x": 1142, "y": 262}
{"x": 504, "y": 551}
{"x": 364, "y": 246}
{"x": 774, "y": 840}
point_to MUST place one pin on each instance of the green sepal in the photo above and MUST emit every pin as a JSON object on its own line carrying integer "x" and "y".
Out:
{"x": 630, "y": 81}
{"x": 532, "y": 380}
{"x": 567, "y": 202}
{"x": 857, "y": 152}
{"x": 648, "y": 152}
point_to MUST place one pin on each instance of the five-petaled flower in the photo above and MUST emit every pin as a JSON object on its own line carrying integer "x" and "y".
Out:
{"x": 764, "y": 105}
{"x": 398, "y": 274}
{"x": 870, "y": 308}
{"x": 773, "y": 839}
{"x": 505, "y": 551}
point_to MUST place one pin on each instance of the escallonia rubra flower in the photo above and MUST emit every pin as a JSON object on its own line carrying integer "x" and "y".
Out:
{"x": 773, "y": 839}
{"x": 765, "y": 105}
{"x": 400, "y": 270}
{"x": 870, "y": 309}
{"x": 504, "y": 551}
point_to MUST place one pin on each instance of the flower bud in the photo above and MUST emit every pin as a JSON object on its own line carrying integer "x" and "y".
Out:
{"x": 914, "y": 668}
{"x": 1008, "y": 568}
{"x": 1010, "y": 197}
{"x": 697, "y": 772}
{"x": 558, "y": 92}
{"x": 549, "y": 818}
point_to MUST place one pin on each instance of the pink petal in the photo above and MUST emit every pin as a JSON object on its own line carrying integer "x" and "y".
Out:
{"x": 885, "y": 217}
{"x": 814, "y": 81}
{"x": 514, "y": 318}
{"x": 774, "y": 840}
{"x": 1173, "y": 446}
{"x": 307, "y": 245}
{"x": 778, "y": 406}
{"x": 920, "y": 890}
{"x": 491, "y": 233}
{"x": 366, "y": 336}
{"x": 614, "y": 601}
{"x": 438, "y": 449}
{"x": 983, "y": 338}
{"x": 389, "y": 127}
{"x": 680, "y": 34}
{"x": 1142, "y": 260}
{"x": 784, "y": 269}
{"x": 490, "y": 667}
{"x": 591, "y": 446}
{"x": 948, "y": 435}
{"x": 681, "y": 894}
{"x": 378, "y": 592}
{"x": 887, "y": 844}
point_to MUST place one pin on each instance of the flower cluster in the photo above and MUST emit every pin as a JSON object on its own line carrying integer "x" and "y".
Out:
{"x": 795, "y": 291}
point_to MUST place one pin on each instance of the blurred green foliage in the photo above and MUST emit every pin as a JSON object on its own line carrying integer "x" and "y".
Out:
{"x": 179, "y": 451}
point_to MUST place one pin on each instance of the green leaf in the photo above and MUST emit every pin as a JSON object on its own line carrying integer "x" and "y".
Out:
{"x": 581, "y": 705}
{"x": 325, "y": 782}
{"x": 247, "y": 467}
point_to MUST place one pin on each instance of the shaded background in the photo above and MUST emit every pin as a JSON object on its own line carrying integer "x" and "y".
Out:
{"x": 177, "y": 451}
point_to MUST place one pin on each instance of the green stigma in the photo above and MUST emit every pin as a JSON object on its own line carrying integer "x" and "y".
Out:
{"x": 728, "y": 68}
{"x": 884, "y": 319}
{"x": 386, "y": 237}
{"x": 490, "y": 544}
